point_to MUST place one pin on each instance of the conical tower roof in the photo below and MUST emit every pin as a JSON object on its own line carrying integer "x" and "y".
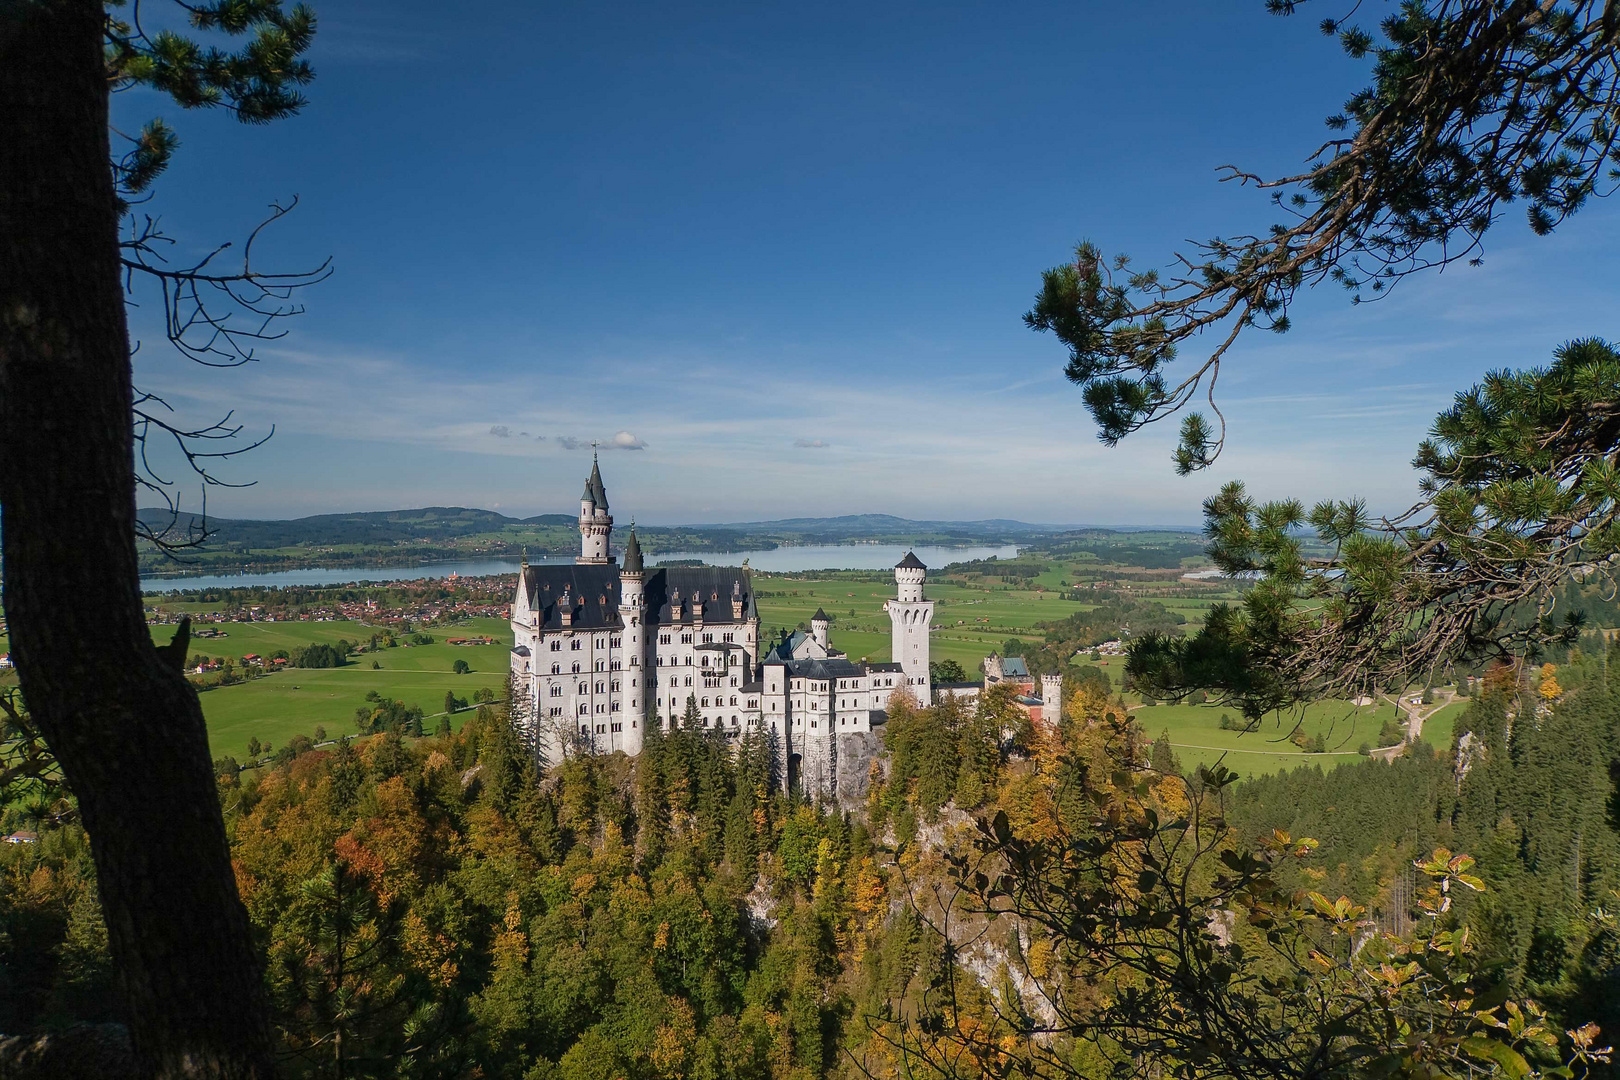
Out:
{"x": 911, "y": 562}
{"x": 594, "y": 485}
{"x": 820, "y": 616}
{"x": 632, "y": 554}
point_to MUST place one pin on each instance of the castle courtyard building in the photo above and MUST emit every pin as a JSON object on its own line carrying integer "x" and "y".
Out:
{"x": 603, "y": 649}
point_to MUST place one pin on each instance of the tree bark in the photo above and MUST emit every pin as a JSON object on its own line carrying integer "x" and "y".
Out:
{"x": 123, "y": 722}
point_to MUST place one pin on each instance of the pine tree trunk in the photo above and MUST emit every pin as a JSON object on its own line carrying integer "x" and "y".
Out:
{"x": 122, "y": 721}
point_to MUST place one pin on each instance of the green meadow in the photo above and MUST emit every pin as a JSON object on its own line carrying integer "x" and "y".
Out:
{"x": 295, "y": 701}
{"x": 1196, "y": 734}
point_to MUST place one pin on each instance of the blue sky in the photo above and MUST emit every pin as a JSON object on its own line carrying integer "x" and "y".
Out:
{"x": 782, "y": 251}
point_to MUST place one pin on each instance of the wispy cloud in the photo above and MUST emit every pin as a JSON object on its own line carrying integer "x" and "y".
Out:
{"x": 811, "y": 444}
{"x": 501, "y": 431}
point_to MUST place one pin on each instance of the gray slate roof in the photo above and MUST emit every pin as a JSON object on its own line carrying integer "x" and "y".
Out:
{"x": 910, "y": 562}
{"x": 593, "y": 592}
{"x": 820, "y": 670}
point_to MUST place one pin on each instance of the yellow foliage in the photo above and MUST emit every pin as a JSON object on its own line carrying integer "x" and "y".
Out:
{"x": 1038, "y": 958}
{"x": 674, "y": 1038}
{"x": 1549, "y": 682}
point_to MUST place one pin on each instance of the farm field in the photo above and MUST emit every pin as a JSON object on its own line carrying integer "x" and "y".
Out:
{"x": 1196, "y": 735}
{"x": 295, "y": 701}
{"x": 970, "y": 621}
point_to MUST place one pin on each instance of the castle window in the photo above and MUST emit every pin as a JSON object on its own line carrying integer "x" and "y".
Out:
{"x": 614, "y": 643}
{"x": 663, "y": 639}
{"x": 583, "y": 708}
{"x": 574, "y": 644}
{"x": 614, "y": 666}
{"x": 601, "y": 665}
{"x": 689, "y": 680}
{"x": 576, "y": 667}
{"x": 556, "y": 646}
{"x": 618, "y": 727}
{"x": 584, "y": 729}
{"x": 615, "y": 685}
{"x": 615, "y": 709}
{"x": 725, "y": 637}
{"x": 556, "y": 690}
{"x": 686, "y": 639}
{"x": 601, "y": 708}
{"x": 601, "y": 688}
{"x": 556, "y": 669}
{"x": 601, "y": 729}
{"x": 705, "y": 703}
{"x": 708, "y": 639}
{"x": 557, "y": 711}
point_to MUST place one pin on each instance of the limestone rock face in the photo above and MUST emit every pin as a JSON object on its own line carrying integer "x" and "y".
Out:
{"x": 856, "y": 752}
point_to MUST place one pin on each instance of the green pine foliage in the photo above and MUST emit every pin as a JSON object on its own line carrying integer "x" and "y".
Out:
{"x": 1529, "y": 795}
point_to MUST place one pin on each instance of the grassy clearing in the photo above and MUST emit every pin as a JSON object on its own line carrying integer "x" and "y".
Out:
{"x": 1438, "y": 729}
{"x": 294, "y": 702}
{"x": 1198, "y": 739}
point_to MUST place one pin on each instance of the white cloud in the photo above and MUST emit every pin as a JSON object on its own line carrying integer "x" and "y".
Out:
{"x": 626, "y": 441}
{"x": 568, "y": 442}
{"x": 501, "y": 431}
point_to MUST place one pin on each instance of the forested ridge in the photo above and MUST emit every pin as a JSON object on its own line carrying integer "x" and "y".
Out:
{"x": 443, "y": 907}
{"x": 439, "y": 907}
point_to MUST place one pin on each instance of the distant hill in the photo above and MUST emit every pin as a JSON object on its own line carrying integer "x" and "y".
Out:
{"x": 372, "y": 527}
{"x": 443, "y": 533}
{"x": 863, "y": 525}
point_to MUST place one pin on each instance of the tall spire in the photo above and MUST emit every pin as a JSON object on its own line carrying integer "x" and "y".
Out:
{"x": 594, "y": 486}
{"x": 632, "y": 553}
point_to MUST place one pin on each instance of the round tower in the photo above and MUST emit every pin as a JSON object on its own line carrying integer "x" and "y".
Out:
{"x": 1051, "y": 698}
{"x": 595, "y": 523}
{"x": 911, "y": 614}
{"x": 819, "y": 624}
{"x": 909, "y": 576}
{"x": 636, "y": 670}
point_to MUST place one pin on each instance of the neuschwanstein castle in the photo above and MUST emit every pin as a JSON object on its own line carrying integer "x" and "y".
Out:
{"x": 606, "y": 648}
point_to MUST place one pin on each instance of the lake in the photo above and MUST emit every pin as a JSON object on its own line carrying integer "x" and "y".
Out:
{"x": 777, "y": 560}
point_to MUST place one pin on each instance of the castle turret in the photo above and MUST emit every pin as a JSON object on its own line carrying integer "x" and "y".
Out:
{"x": 911, "y": 614}
{"x": 819, "y": 624}
{"x": 1051, "y": 698}
{"x": 636, "y": 673}
{"x": 595, "y": 523}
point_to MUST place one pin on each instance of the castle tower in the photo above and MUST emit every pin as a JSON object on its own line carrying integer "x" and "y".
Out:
{"x": 595, "y": 524}
{"x": 1051, "y": 698}
{"x": 911, "y": 614}
{"x": 818, "y": 628}
{"x": 635, "y": 673}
